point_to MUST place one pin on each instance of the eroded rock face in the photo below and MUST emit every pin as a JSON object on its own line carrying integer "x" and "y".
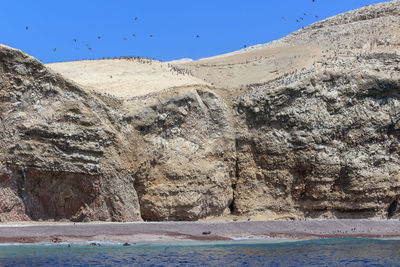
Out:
{"x": 12, "y": 207}
{"x": 326, "y": 145}
{"x": 58, "y": 149}
{"x": 69, "y": 156}
{"x": 188, "y": 159}
{"x": 319, "y": 144}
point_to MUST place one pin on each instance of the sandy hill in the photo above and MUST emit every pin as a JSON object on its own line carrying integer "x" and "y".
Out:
{"x": 374, "y": 27}
{"x": 125, "y": 77}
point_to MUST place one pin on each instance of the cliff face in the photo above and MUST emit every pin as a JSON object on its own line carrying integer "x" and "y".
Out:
{"x": 187, "y": 156}
{"x": 66, "y": 154}
{"x": 326, "y": 147}
{"x": 61, "y": 157}
{"x": 320, "y": 142}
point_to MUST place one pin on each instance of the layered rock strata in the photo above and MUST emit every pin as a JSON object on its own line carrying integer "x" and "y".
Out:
{"x": 61, "y": 157}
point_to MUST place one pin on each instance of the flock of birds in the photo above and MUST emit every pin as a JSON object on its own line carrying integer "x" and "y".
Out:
{"x": 301, "y": 18}
{"x": 151, "y": 35}
{"x": 297, "y": 20}
{"x": 99, "y": 37}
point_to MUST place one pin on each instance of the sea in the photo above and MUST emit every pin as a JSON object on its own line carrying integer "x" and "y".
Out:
{"x": 321, "y": 252}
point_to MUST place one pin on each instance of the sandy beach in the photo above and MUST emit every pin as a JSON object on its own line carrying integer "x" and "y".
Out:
{"x": 169, "y": 231}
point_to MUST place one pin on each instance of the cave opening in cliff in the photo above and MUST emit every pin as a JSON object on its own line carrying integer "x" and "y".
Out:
{"x": 392, "y": 209}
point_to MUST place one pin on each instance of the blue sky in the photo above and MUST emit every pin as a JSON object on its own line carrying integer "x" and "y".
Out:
{"x": 223, "y": 26}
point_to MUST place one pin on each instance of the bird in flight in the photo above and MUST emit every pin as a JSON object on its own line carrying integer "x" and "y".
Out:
{"x": 151, "y": 35}
{"x": 55, "y": 49}
{"x": 124, "y": 38}
{"x": 133, "y": 35}
{"x": 99, "y": 37}
{"x": 74, "y": 40}
{"x": 136, "y": 18}
{"x": 26, "y": 28}
{"x": 90, "y": 49}
{"x": 197, "y": 36}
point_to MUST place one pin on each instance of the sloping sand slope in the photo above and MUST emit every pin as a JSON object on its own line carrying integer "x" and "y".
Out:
{"x": 372, "y": 28}
{"x": 124, "y": 77}
{"x": 253, "y": 66}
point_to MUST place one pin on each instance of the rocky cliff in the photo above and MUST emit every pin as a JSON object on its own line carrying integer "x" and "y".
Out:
{"x": 321, "y": 141}
{"x": 61, "y": 156}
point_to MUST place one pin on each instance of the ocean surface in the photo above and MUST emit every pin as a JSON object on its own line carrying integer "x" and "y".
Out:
{"x": 325, "y": 252}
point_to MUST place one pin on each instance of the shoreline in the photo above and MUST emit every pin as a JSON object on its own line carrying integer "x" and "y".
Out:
{"x": 195, "y": 231}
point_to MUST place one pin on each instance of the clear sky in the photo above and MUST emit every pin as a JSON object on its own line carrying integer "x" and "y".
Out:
{"x": 222, "y": 25}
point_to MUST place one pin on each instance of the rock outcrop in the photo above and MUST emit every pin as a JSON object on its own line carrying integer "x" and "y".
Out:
{"x": 61, "y": 157}
{"x": 187, "y": 158}
{"x": 320, "y": 142}
{"x": 325, "y": 146}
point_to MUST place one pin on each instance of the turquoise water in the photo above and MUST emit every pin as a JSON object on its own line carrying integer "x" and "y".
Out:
{"x": 327, "y": 252}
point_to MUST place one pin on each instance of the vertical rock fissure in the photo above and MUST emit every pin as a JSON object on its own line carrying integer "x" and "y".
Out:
{"x": 235, "y": 180}
{"x": 392, "y": 209}
{"x": 21, "y": 178}
{"x": 137, "y": 186}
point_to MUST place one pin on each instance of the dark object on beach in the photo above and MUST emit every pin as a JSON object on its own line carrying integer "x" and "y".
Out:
{"x": 392, "y": 209}
{"x": 56, "y": 240}
{"x": 206, "y": 233}
{"x": 95, "y": 244}
{"x": 126, "y": 244}
{"x": 248, "y": 219}
{"x": 69, "y": 245}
